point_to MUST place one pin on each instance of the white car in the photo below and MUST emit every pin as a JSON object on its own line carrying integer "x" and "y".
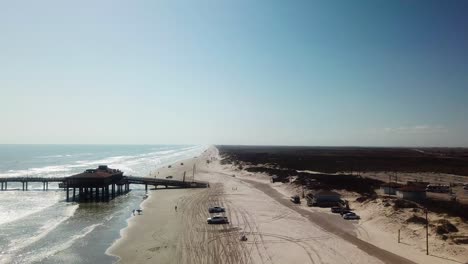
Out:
{"x": 351, "y": 216}
{"x": 218, "y": 219}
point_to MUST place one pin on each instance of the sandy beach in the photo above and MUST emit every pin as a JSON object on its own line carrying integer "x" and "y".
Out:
{"x": 277, "y": 230}
{"x": 321, "y": 131}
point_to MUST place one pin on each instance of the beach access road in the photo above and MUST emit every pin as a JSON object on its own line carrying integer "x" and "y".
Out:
{"x": 275, "y": 232}
{"x": 330, "y": 225}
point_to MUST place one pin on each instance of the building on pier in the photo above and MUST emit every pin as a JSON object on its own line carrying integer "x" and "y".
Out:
{"x": 100, "y": 185}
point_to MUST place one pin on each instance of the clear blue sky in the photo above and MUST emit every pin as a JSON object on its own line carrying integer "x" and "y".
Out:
{"x": 372, "y": 73}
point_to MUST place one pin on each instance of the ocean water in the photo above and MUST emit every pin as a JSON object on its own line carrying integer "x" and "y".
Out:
{"x": 40, "y": 227}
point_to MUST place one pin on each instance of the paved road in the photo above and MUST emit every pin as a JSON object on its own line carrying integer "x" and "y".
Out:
{"x": 321, "y": 221}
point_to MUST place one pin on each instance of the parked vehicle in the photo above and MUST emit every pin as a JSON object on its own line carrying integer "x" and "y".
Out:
{"x": 336, "y": 209}
{"x": 296, "y": 199}
{"x": 216, "y": 209}
{"x": 276, "y": 178}
{"x": 169, "y": 177}
{"x": 351, "y": 216}
{"x": 218, "y": 219}
{"x": 345, "y": 211}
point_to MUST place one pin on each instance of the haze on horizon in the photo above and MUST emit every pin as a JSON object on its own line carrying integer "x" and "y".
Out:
{"x": 335, "y": 73}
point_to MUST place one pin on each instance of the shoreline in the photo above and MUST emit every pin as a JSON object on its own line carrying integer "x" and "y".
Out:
{"x": 176, "y": 171}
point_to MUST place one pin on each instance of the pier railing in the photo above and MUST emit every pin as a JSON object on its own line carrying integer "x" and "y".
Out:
{"x": 32, "y": 179}
{"x": 25, "y": 180}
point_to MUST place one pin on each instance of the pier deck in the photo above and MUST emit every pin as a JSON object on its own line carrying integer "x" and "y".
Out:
{"x": 165, "y": 182}
{"x": 99, "y": 185}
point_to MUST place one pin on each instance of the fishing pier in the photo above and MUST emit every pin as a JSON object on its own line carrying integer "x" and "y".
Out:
{"x": 99, "y": 185}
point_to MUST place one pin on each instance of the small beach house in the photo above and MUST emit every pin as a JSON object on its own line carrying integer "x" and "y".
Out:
{"x": 390, "y": 188}
{"x": 323, "y": 198}
{"x": 414, "y": 193}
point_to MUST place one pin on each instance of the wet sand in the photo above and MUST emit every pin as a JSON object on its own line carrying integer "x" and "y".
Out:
{"x": 151, "y": 233}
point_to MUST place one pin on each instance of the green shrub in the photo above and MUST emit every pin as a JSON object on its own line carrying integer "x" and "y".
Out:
{"x": 416, "y": 220}
{"x": 400, "y": 203}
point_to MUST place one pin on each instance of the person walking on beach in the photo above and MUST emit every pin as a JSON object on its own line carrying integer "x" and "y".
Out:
{"x": 175, "y": 208}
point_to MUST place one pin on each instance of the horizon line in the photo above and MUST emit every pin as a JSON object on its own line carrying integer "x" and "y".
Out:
{"x": 240, "y": 145}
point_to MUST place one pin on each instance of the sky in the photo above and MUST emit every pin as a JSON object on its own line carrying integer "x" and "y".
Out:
{"x": 318, "y": 73}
